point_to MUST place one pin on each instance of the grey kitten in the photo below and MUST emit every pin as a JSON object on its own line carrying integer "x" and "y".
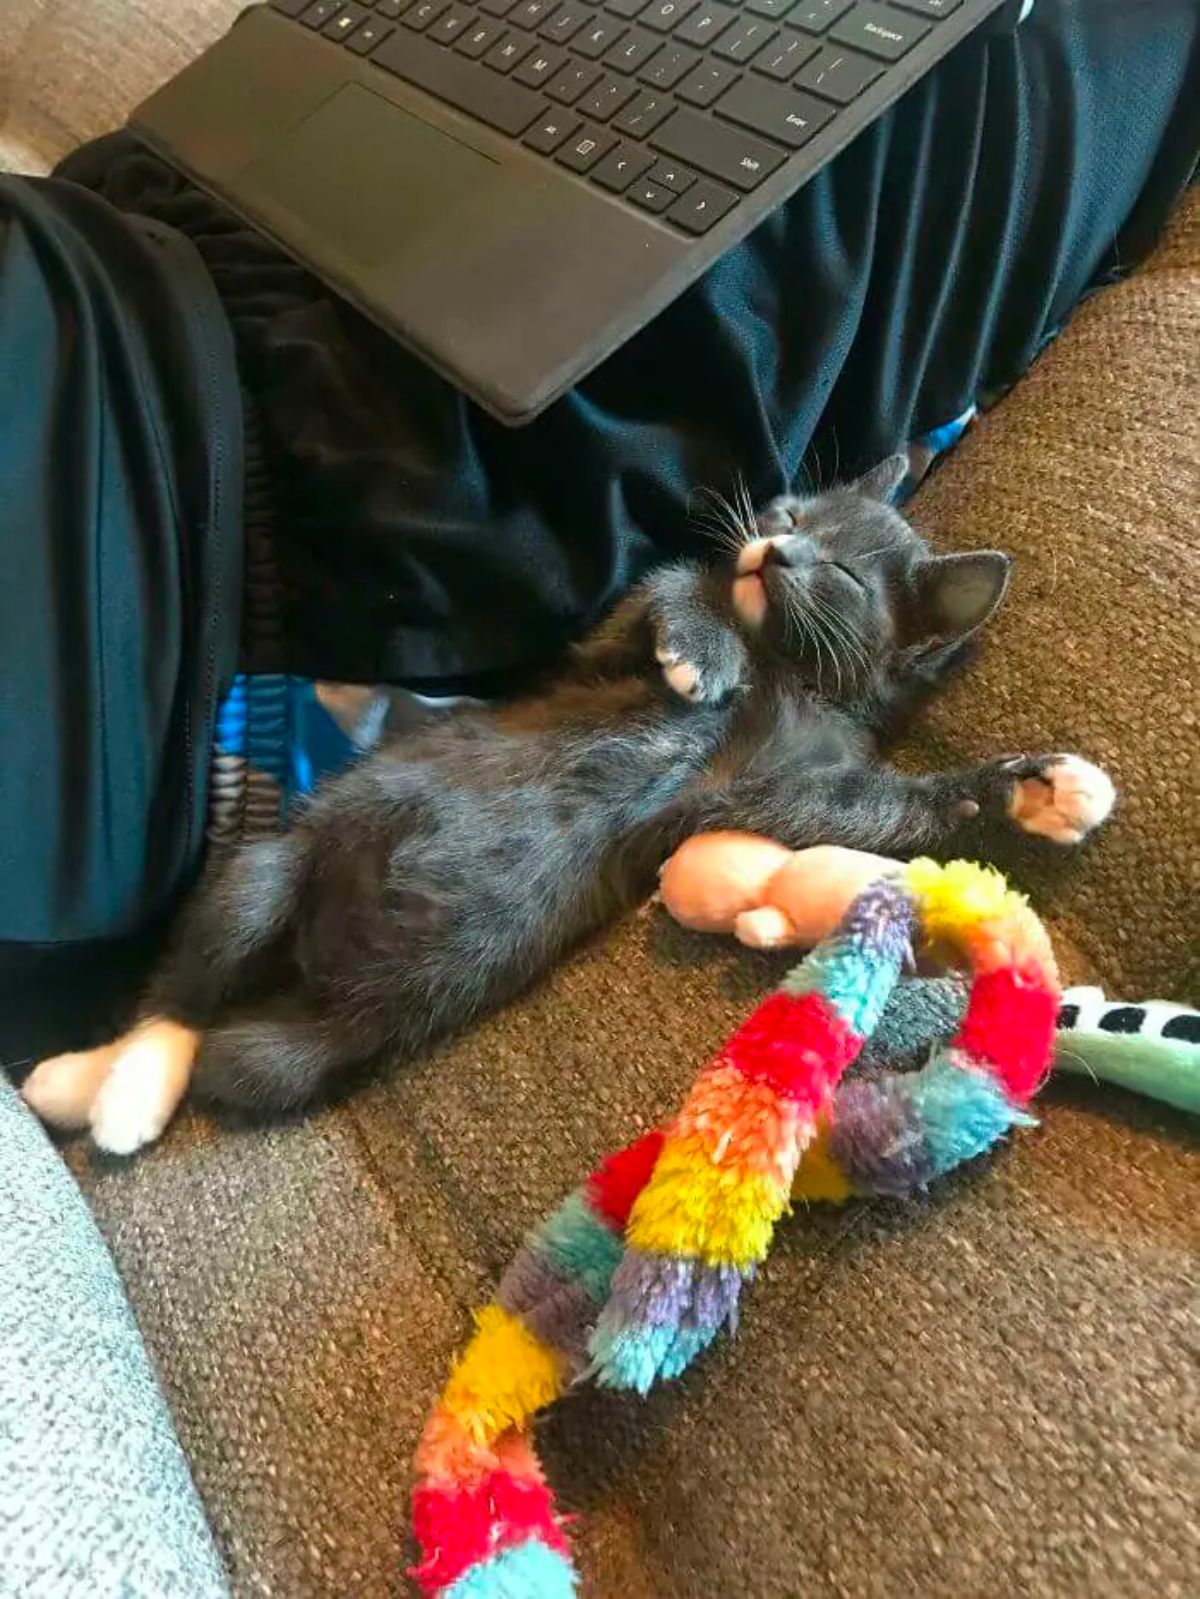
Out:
{"x": 443, "y": 874}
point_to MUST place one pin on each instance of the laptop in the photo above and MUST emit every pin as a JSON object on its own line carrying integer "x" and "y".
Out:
{"x": 512, "y": 188}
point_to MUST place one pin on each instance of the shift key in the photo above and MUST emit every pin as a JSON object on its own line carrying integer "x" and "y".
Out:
{"x": 722, "y": 152}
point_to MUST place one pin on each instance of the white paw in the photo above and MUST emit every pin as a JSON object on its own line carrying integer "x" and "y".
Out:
{"x": 63, "y": 1089}
{"x": 1065, "y": 802}
{"x": 144, "y": 1087}
{"x": 680, "y": 675}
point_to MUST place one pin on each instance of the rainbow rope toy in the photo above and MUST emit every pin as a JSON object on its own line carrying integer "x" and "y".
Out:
{"x": 640, "y": 1268}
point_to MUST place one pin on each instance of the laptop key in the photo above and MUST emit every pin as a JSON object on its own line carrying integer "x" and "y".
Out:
{"x": 600, "y": 34}
{"x": 510, "y": 52}
{"x": 770, "y": 8}
{"x": 708, "y": 83}
{"x": 781, "y": 114}
{"x": 450, "y": 24}
{"x": 701, "y": 206}
{"x": 665, "y": 15}
{"x": 671, "y": 175}
{"x": 419, "y": 17}
{"x": 574, "y": 79}
{"x": 716, "y": 148}
{"x": 499, "y": 102}
{"x": 650, "y": 197}
{"x": 640, "y": 118}
{"x": 531, "y": 13}
{"x": 786, "y": 56}
{"x": 541, "y": 65}
{"x": 565, "y": 23}
{"x": 320, "y": 12}
{"x": 635, "y": 48}
{"x": 671, "y": 63}
{"x": 496, "y": 8}
{"x": 746, "y": 39}
{"x": 880, "y": 31}
{"x": 625, "y": 8}
{"x": 815, "y": 16}
{"x": 607, "y": 98}
{"x": 550, "y": 131}
{"x": 480, "y": 37}
{"x": 364, "y": 40}
{"x": 706, "y": 24}
{"x": 392, "y": 9}
{"x": 582, "y": 152}
{"x": 620, "y": 167}
{"x": 839, "y": 75}
{"x": 344, "y": 24}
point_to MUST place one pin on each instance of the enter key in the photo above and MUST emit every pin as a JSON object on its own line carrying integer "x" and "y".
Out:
{"x": 782, "y": 114}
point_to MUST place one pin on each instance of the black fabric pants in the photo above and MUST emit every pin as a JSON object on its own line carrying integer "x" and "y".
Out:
{"x": 418, "y": 539}
{"x": 926, "y": 265}
{"x": 121, "y": 509}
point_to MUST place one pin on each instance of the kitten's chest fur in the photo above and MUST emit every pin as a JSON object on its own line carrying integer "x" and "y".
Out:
{"x": 554, "y": 813}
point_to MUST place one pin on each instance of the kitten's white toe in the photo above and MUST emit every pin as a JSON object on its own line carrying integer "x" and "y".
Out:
{"x": 144, "y": 1088}
{"x": 63, "y": 1089}
{"x": 1065, "y": 802}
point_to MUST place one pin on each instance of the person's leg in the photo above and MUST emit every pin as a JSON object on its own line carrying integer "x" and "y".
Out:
{"x": 120, "y": 525}
{"x": 924, "y": 268}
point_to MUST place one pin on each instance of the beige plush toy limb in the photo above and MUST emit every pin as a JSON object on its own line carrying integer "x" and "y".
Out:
{"x": 767, "y": 896}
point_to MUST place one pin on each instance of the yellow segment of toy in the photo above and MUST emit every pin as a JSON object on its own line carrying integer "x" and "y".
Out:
{"x": 819, "y": 1179}
{"x": 969, "y": 910}
{"x": 504, "y": 1376}
{"x": 699, "y": 1210}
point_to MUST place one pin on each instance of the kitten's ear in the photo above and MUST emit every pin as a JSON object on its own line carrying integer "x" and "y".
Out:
{"x": 882, "y": 481}
{"x": 950, "y": 596}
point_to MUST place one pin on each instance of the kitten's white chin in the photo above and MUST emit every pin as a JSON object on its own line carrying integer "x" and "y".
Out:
{"x": 750, "y": 598}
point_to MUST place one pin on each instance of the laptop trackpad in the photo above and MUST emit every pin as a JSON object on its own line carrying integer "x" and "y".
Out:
{"x": 366, "y": 177}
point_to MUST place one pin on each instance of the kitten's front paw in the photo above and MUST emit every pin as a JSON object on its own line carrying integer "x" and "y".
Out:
{"x": 1059, "y": 797}
{"x": 705, "y": 675}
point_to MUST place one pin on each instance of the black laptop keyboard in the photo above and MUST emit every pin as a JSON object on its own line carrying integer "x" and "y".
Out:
{"x": 679, "y": 106}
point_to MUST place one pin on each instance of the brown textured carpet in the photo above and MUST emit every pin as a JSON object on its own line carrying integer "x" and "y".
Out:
{"x": 990, "y": 1392}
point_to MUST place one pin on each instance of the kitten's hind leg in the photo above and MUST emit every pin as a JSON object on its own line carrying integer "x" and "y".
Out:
{"x": 63, "y": 1089}
{"x": 143, "y": 1089}
{"x": 126, "y": 1091}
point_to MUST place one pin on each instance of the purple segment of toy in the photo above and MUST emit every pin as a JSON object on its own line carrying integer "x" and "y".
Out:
{"x": 650, "y": 1290}
{"x": 878, "y": 1139}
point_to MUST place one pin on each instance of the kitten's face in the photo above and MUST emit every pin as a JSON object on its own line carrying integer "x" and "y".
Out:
{"x": 840, "y": 583}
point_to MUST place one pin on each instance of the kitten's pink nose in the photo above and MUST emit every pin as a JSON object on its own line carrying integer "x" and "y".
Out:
{"x": 754, "y": 556}
{"x": 782, "y": 550}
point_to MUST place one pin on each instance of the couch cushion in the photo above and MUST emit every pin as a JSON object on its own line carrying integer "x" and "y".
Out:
{"x": 987, "y": 1391}
{"x": 1089, "y": 472}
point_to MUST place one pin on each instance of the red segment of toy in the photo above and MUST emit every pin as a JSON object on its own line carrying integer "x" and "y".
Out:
{"x": 799, "y": 1046}
{"x": 460, "y": 1526}
{"x": 616, "y": 1183}
{"x": 1009, "y": 1026}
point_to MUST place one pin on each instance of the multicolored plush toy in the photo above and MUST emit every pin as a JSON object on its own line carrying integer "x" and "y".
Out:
{"x": 641, "y": 1268}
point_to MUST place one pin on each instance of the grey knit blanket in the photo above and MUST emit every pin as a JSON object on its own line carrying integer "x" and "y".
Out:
{"x": 96, "y": 1498}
